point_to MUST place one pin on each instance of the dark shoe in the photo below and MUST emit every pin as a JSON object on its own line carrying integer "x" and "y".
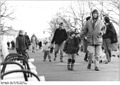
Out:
{"x": 100, "y": 61}
{"x": 72, "y": 64}
{"x": 89, "y": 66}
{"x": 106, "y": 62}
{"x": 68, "y": 66}
{"x": 96, "y": 69}
{"x": 49, "y": 60}
{"x": 92, "y": 61}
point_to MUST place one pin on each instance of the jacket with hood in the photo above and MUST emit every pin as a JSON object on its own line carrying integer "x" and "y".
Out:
{"x": 94, "y": 31}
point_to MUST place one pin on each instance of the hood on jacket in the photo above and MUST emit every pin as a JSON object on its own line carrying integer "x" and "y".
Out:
{"x": 95, "y": 11}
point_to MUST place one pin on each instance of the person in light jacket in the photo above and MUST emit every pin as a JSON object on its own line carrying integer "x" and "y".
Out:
{"x": 93, "y": 30}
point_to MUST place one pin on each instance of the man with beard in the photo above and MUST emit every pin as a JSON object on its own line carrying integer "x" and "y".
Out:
{"x": 93, "y": 31}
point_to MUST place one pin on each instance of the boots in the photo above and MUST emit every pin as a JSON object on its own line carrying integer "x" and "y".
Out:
{"x": 68, "y": 66}
{"x": 55, "y": 56}
{"x": 96, "y": 68}
{"x": 89, "y": 66}
{"x": 72, "y": 64}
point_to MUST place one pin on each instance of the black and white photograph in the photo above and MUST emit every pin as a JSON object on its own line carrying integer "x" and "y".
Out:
{"x": 59, "y": 40}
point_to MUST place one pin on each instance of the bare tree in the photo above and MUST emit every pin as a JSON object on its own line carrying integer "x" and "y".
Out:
{"x": 4, "y": 14}
{"x": 76, "y": 16}
{"x": 54, "y": 23}
{"x": 106, "y": 10}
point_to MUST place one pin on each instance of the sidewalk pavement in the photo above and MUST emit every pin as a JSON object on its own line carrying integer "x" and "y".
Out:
{"x": 57, "y": 71}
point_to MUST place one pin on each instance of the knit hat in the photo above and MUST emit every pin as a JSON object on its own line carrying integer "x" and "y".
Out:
{"x": 95, "y": 11}
{"x": 87, "y": 18}
{"x": 106, "y": 19}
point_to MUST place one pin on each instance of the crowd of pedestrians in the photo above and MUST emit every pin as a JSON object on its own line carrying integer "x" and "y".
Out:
{"x": 97, "y": 36}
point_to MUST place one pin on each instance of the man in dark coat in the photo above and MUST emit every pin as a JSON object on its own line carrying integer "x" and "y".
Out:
{"x": 21, "y": 43}
{"x": 59, "y": 37}
{"x": 27, "y": 40}
{"x": 109, "y": 37}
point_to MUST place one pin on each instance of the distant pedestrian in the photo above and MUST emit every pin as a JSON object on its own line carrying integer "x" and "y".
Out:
{"x": 71, "y": 48}
{"x": 13, "y": 45}
{"x": 27, "y": 40}
{"x": 21, "y": 44}
{"x": 8, "y": 44}
{"x": 40, "y": 44}
{"x": 46, "y": 50}
{"x": 34, "y": 43}
{"x": 59, "y": 37}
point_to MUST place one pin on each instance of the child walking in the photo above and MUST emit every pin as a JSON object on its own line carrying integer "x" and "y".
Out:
{"x": 71, "y": 48}
{"x": 47, "y": 51}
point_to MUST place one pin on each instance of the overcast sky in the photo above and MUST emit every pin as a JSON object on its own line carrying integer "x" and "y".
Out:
{"x": 34, "y": 16}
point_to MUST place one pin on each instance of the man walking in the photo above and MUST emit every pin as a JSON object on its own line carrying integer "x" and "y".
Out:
{"x": 27, "y": 40}
{"x": 21, "y": 43}
{"x": 59, "y": 37}
{"x": 93, "y": 30}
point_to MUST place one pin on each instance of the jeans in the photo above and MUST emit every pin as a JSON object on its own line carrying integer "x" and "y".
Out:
{"x": 107, "y": 47}
{"x": 94, "y": 54}
{"x": 57, "y": 49}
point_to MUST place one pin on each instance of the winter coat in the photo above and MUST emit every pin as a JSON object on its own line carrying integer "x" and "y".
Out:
{"x": 110, "y": 33}
{"x": 60, "y": 36}
{"x": 27, "y": 41}
{"x": 94, "y": 32}
{"x": 21, "y": 43}
{"x": 71, "y": 46}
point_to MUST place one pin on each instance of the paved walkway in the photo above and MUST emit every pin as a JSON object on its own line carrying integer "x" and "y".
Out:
{"x": 56, "y": 71}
